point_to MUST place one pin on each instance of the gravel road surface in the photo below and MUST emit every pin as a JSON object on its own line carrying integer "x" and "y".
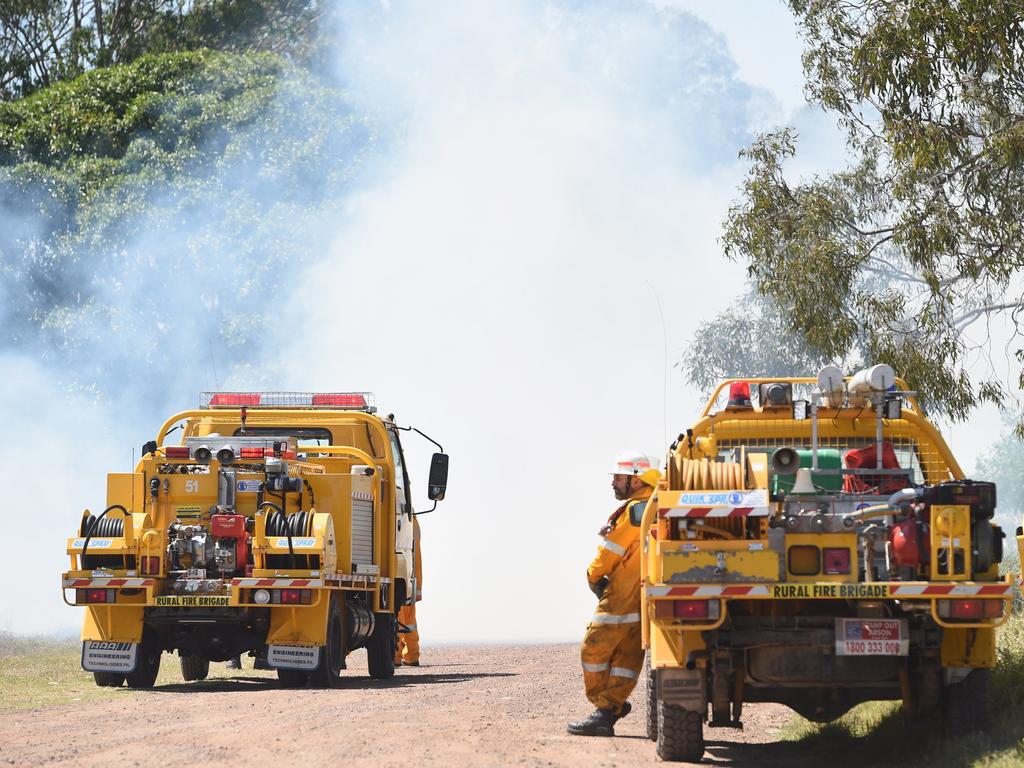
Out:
{"x": 466, "y": 706}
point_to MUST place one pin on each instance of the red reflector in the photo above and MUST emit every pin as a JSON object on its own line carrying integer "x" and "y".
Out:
{"x": 691, "y": 609}
{"x": 176, "y": 451}
{"x": 351, "y": 400}
{"x": 235, "y": 398}
{"x": 967, "y": 609}
{"x": 835, "y": 560}
{"x": 150, "y": 566}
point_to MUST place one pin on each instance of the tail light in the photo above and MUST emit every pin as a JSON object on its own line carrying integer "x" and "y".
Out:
{"x": 150, "y": 565}
{"x": 293, "y": 596}
{"x": 688, "y": 610}
{"x": 835, "y": 560}
{"x": 966, "y": 610}
{"x": 94, "y": 596}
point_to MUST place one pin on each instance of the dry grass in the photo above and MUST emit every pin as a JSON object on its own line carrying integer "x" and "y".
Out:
{"x": 878, "y": 734}
{"x": 40, "y": 672}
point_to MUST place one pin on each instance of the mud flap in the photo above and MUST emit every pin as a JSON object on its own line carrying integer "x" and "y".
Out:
{"x": 293, "y": 656}
{"x": 107, "y": 656}
{"x": 686, "y": 688}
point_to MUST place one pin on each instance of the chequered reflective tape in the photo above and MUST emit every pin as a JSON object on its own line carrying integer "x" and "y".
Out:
{"x": 93, "y": 583}
{"x": 704, "y": 512}
{"x": 277, "y": 582}
{"x": 709, "y": 591}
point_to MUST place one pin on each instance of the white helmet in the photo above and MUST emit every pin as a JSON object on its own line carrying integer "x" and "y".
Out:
{"x": 637, "y": 464}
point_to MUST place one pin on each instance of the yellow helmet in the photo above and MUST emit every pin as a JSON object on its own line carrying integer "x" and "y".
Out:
{"x": 638, "y": 465}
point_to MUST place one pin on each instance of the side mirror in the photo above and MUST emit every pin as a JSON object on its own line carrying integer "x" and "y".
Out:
{"x": 438, "y": 479}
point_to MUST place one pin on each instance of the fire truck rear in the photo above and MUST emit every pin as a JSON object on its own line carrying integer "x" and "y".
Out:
{"x": 815, "y": 543}
{"x": 281, "y": 525}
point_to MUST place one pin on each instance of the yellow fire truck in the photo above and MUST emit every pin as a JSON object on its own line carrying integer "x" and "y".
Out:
{"x": 281, "y": 525}
{"x": 814, "y": 543}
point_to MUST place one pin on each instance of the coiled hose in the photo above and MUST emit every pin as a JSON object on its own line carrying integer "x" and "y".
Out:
{"x": 102, "y": 527}
{"x": 703, "y": 475}
{"x": 280, "y": 524}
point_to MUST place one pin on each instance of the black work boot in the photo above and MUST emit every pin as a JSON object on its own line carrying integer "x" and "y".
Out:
{"x": 600, "y": 723}
{"x": 626, "y": 709}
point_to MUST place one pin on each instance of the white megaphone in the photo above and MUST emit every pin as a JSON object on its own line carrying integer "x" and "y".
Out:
{"x": 803, "y": 482}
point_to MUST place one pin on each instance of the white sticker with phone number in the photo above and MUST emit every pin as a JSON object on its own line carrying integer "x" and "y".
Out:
{"x": 872, "y": 637}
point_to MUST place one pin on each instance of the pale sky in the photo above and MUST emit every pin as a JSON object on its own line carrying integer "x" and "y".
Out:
{"x": 497, "y": 285}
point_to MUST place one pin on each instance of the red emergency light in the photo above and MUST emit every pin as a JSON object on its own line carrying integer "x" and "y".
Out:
{"x": 235, "y": 399}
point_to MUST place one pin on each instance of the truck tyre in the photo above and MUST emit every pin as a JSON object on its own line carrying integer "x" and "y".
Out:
{"x": 380, "y": 648}
{"x": 194, "y": 667}
{"x": 292, "y": 678}
{"x": 680, "y": 734}
{"x": 966, "y": 705}
{"x": 147, "y": 665}
{"x": 651, "y": 715}
{"x": 332, "y": 653}
{"x": 108, "y": 679}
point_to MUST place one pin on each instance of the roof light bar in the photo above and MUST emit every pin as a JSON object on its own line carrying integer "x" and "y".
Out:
{"x": 349, "y": 401}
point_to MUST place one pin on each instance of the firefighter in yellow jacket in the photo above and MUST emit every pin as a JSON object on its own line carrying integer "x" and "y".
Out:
{"x": 612, "y": 651}
{"x": 408, "y": 649}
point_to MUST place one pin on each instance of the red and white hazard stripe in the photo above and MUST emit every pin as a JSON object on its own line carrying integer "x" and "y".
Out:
{"x": 952, "y": 590}
{"x": 719, "y": 590}
{"x": 703, "y": 512}
{"x": 277, "y": 582}
{"x": 94, "y": 583}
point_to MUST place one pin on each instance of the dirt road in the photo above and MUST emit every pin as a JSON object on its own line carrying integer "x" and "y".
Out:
{"x": 467, "y": 706}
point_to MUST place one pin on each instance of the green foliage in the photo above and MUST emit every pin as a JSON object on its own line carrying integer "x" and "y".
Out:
{"x": 751, "y": 338}
{"x": 184, "y": 181}
{"x": 922, "y": 237}
{"x": 43, "y": 42}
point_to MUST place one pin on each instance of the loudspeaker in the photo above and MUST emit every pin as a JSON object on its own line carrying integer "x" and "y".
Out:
{"x": 785, "y": 461}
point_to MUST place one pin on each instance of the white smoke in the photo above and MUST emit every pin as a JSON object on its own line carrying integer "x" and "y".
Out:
{"x": 561, "y": 164}
{"x": 556, "y": 168}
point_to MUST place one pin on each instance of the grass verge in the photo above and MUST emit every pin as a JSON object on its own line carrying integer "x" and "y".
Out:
{"x": 41, "y": 672}
{"x": 877, "y": 733}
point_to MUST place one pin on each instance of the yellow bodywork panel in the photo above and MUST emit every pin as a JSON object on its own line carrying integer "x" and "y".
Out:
{"x": 969, "y": 648}
{"x": 674, "y": 562}
{"x": 670, "y": 647}
{"x": 122, "y": 624}
{"x": 300, "y": 626}
{"x": 125, "y": 488}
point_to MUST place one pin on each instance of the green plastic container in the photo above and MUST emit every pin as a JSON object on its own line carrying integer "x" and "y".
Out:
{"x": 828, "y": 458}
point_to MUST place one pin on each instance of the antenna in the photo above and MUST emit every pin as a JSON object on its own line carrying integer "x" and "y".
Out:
{"x": 664, "y": 367}
{"x": 213, "y": 362}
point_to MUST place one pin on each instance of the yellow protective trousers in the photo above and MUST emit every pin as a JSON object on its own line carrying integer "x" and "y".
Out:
{"x": 408, "y": 648}
{"x": 612, "y": 655}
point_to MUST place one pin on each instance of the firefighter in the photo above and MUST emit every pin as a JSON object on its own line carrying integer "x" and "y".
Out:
{"x": 612, "y": 651}
{"x": 407, "y": 651}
